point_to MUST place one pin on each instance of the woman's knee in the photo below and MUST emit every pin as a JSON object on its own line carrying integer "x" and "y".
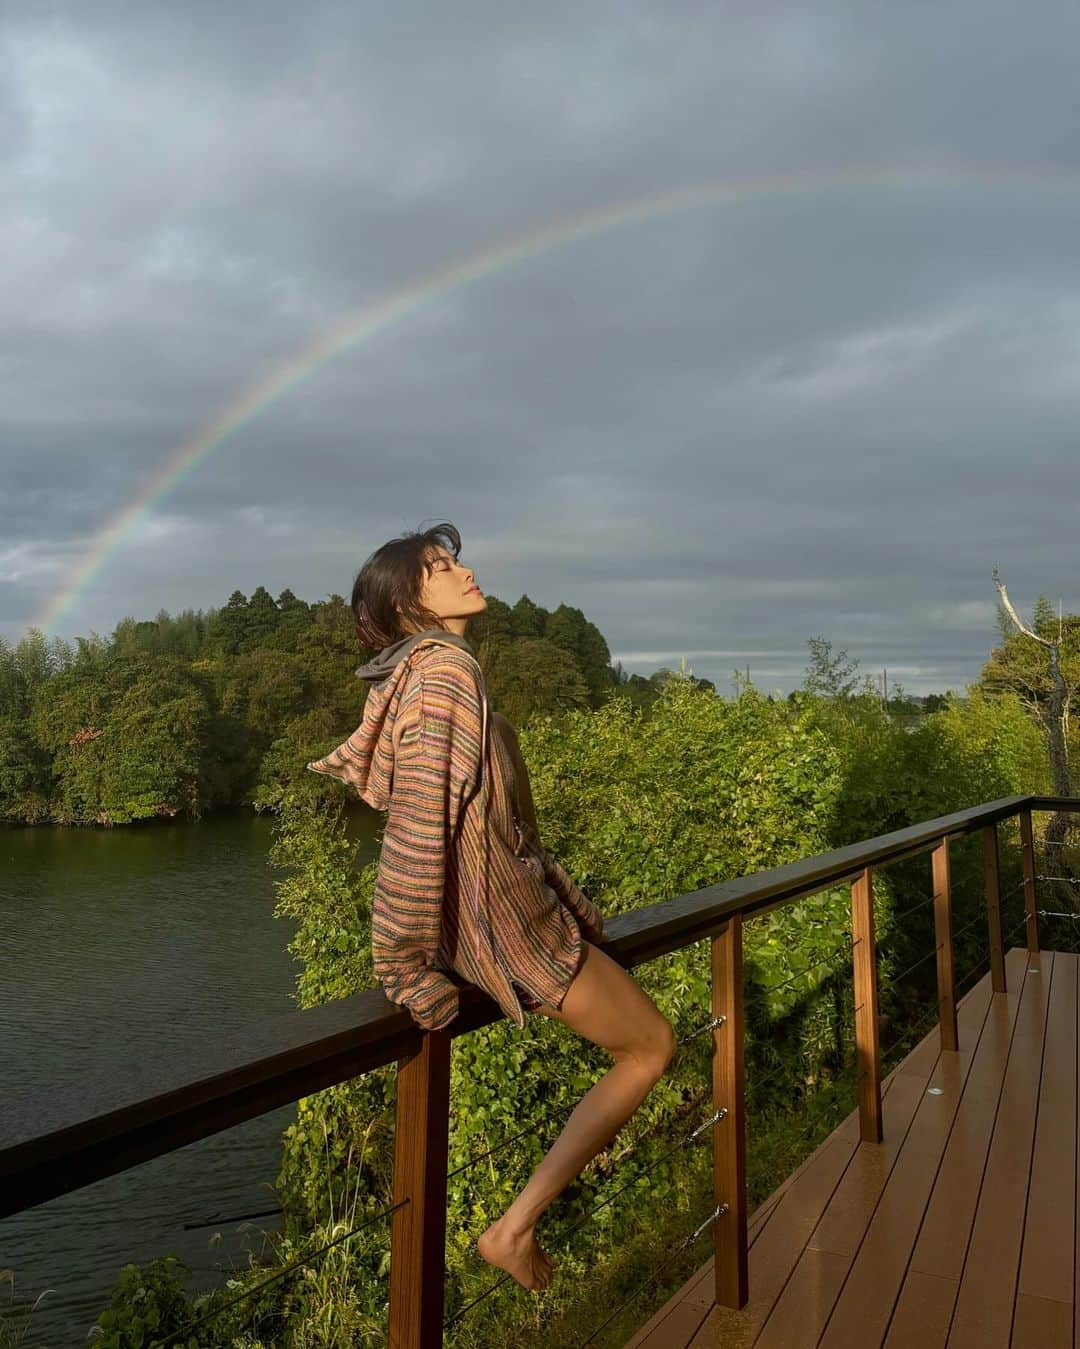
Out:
{"x": 671, "y": 1044}
{"x": 607, "y": 1006}
{"x": 658, "y": 1047}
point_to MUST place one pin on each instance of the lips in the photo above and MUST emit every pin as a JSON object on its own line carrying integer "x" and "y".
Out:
{"x": 473, "y": 590}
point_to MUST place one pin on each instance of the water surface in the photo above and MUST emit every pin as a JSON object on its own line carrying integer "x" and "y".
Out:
{"x": 119, "y": 946}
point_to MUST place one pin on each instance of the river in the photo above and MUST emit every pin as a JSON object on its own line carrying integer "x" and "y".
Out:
{"x": 119, "y": 945}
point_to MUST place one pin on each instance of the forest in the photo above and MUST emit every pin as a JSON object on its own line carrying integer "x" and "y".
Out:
{"x": 204, "y": 710}
{"x": 207, "y": 709}
{"x": 645, "y": 788}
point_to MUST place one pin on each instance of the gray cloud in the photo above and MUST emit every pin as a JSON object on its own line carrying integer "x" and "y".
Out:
{"x": 825, "y": 406}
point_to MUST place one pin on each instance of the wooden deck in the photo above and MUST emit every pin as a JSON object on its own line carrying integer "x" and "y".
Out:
{"x": 958, "y": 1229}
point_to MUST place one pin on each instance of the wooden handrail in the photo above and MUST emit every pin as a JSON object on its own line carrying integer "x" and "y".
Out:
{"x": 56, "y": 1140}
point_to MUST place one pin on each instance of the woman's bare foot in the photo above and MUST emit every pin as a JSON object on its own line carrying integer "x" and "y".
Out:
{"x": 517, "y": 1253}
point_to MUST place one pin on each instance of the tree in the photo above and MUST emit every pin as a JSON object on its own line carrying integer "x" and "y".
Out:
{"x": 497, "y": 620}
{"x": 331, "y": 652}
{"x": 568, "y": 628}
{"x": 24, "y": 773}
{"x": 1048, "y": 683}
{"x": 262, "y": 619}
{"x": 530, "y": 675}
{"x": 229, "y": 626}
{"x": 527, "y": 618}
{"x": 827, "y": 675}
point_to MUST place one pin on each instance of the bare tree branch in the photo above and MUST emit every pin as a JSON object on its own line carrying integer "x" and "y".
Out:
{"x": 1012, "y": 612}
{"x": 1054, "y": 716}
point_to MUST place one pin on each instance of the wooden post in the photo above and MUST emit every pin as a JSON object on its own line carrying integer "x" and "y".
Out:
{"x": 943, "y": 935}
{"x": 1027, "y": 862}
{"x": 418, "y": 1228}
{"x": 993, "y": 908}
{"x": 867, "y": 1046}
{"x": 731, "y": 1262}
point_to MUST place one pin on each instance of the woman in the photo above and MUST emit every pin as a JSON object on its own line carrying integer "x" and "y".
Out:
{"x": 464, "y": 884}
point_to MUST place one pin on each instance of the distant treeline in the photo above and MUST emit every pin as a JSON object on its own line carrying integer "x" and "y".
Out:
{"x": 186, "y": 713}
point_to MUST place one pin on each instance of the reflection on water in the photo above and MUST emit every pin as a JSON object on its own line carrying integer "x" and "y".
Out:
{"x": 119, "y": 945}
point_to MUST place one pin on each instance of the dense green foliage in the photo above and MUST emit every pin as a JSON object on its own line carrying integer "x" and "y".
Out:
{"x": 644, "y": 794}
{"x": 181, "y": 715}
{"x": 641, "y": 805}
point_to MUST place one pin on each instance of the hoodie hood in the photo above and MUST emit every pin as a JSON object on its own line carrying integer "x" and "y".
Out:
{"x": 384, "y": 663}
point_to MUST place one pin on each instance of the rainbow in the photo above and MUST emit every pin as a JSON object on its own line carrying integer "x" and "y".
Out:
{"x": 361, "y": 324}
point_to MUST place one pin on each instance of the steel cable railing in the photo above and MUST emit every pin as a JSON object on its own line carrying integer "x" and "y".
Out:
{"x": 808, "y": 1128}
{"x": 563, "y": 1110}
{"x": 505, "y": 1143}
{"x": 959, "y": 931}
{"x": 216, "y": 1220}
{"x": 888, "y": 983}
{"x": 895, "y": 918}
{"x": 959, "y": 979}
{"x": 609, "y": 1199}
{"x": 712, "y": 1024}
{"x": 845, "y": 948}
{"x": 1073, "y": 920}
{"x": 178, "y": 1336}
{"x": 1015, "y": 928}
{"x": 929, "y": 1015}
{"x": 669, "y": 1260}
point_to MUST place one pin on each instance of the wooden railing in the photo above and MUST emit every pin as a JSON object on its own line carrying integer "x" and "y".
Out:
{"x": 61, "y": 1138}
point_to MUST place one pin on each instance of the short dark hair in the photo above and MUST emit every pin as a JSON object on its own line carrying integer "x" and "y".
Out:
{"x": 394, "y": 575}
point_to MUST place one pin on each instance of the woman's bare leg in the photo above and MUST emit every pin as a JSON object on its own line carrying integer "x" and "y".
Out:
{"x": 605, "y": 1005}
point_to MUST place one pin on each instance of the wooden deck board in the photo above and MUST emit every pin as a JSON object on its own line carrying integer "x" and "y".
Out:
{"x": 864, "y": 1308}
{"x": 697, "y": 1292}
{"x": 881, "y": 1195}
{"x": 1042, "y": 1324}
{"x": 958, "y": 1229}
{"x": 946, "y": 1229}
{"x": 923, "y": 1312}
{"x": 790, "y": 1230}
{"x": 984, "y": 1304}
{"x": 1048, "y": 1258}
{"x": 698, "y": 1289}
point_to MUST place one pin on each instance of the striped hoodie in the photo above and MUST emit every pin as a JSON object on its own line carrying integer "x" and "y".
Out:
{"x": 464, "y": 885}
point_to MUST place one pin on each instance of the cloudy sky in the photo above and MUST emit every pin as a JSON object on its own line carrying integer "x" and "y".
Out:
{"x": 812, "y": 368}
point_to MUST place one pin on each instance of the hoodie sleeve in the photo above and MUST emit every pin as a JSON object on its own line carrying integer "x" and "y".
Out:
{"x": 584, "y": 910}
{"x": 432, "y": 783}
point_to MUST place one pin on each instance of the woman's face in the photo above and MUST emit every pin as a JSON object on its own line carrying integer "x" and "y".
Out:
{"x": 450, "y": 591}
